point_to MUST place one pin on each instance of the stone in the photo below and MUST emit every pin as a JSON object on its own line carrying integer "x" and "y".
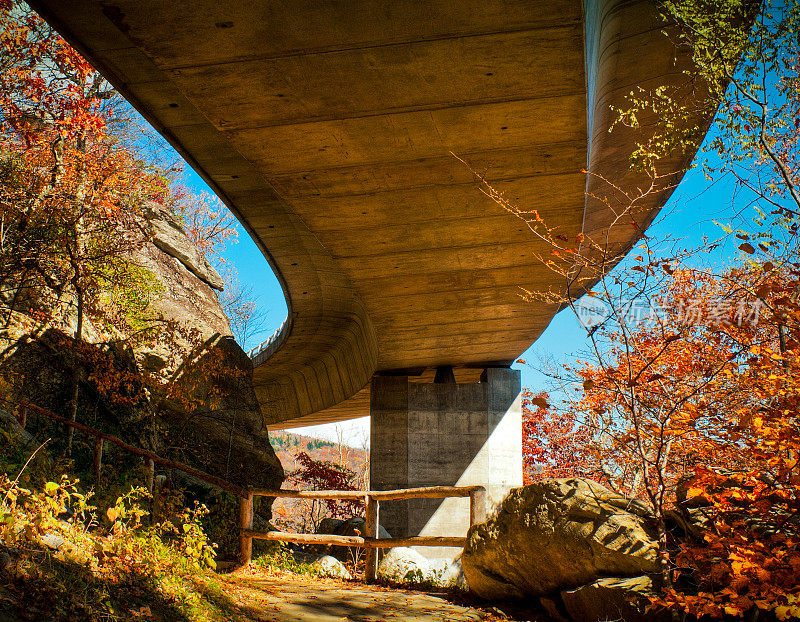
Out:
{"x": 328, "y": 566}
{"x": 558, "y": 534}
{"x": 52, "y": 541}
{"x": 169, "y": 236}
{"x": 453, "y": 576}
{"x": 17, "y": 434}
{"x": 404, "y": 565}
{"x": 329, "y": 525}
{"x": 613, "y": 598}
{"x": 355, "y": 526}
{"x": 210, "y": 412}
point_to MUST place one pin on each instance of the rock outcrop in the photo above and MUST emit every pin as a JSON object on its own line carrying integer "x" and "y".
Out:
{"x": 169, "y": 235}
{"x": 558, "y": 534}
{"x": 201, "y": 407}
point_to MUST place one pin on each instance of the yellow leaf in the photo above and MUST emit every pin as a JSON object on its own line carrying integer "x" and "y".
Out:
{"x": 112, "y": 514}
{"x": 50, "y": 488}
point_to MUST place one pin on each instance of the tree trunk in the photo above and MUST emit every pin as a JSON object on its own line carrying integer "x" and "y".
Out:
{"x": 75, "y": 388}
{"x": 77, "y": 283}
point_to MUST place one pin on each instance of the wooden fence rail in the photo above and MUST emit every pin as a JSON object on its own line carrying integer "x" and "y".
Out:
{"x": 370, "y": 540}
{"x": 151, "y": 459}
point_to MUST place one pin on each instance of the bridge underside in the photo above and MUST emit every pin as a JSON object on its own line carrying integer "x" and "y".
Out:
{"x": 330, "y": 129}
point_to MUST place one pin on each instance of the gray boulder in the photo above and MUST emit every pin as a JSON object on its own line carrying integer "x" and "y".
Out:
{"x": 404, "y": 565}
{"x": 329, "y": 525}
{"x": 453, "y": 576}
{"x": 355, "y": 526}
{"x": 558, "y": 534}
{"x": 328, "y": 566}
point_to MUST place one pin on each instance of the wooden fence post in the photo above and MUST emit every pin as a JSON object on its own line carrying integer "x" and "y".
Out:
{"x": 373, "y": 531}
{"x": 245, "y": 523}
{"x": 97, "y": 458}
{"x": 477, "y": 506}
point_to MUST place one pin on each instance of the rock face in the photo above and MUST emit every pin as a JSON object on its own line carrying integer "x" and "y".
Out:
{"x": 558, "y": 534}
{"x": 206, "y": 409}
{"x": 169, "y": 236}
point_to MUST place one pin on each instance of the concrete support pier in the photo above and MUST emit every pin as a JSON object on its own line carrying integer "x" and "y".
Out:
{"x": 443, "y": 433}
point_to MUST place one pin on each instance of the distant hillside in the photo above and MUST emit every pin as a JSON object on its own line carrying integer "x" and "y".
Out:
{"x": 288, "y": 445}
{"x": 287, "y": 440}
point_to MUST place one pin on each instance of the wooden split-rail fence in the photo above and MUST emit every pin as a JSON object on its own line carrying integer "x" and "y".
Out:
{"x": 370, "y": 540}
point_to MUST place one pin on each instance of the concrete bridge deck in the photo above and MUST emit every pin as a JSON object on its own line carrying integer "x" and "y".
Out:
{"x": 328, "y": 126}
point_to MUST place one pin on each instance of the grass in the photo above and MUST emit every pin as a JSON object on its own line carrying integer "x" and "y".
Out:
{"x": 62, "y": 586}
{"x": 281, "y": 559}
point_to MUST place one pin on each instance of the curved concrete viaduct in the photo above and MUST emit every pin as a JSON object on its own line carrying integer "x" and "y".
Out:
{"x": 328, "y": 126}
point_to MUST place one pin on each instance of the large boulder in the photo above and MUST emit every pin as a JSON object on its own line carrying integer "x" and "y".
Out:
{"x": 328, "y": 525}
{"x": 356, "y": 526}
{"x": 199, "y": 407}
{"x": 558, "y": 534}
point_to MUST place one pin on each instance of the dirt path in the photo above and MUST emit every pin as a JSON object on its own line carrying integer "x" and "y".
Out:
{"x": 287, "y": 597}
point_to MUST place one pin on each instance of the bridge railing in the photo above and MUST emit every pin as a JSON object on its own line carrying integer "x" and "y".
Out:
{"x": 371, "y": 540}
{"x": 263, "y": 350}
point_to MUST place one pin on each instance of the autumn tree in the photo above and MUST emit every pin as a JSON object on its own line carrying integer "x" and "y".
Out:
{"x": 71, "y": 189}
{"x": 78, "y": 174}
{"x": 311, "y": 474}
{"x": 554, "y": 442}
{"x": 688, "y": 392}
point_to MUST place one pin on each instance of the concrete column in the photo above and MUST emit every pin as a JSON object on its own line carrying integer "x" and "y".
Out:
{"x": 430, "y": 434}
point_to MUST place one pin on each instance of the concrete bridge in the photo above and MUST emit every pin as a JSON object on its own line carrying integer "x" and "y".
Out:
{"x": 328, "y": 126}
